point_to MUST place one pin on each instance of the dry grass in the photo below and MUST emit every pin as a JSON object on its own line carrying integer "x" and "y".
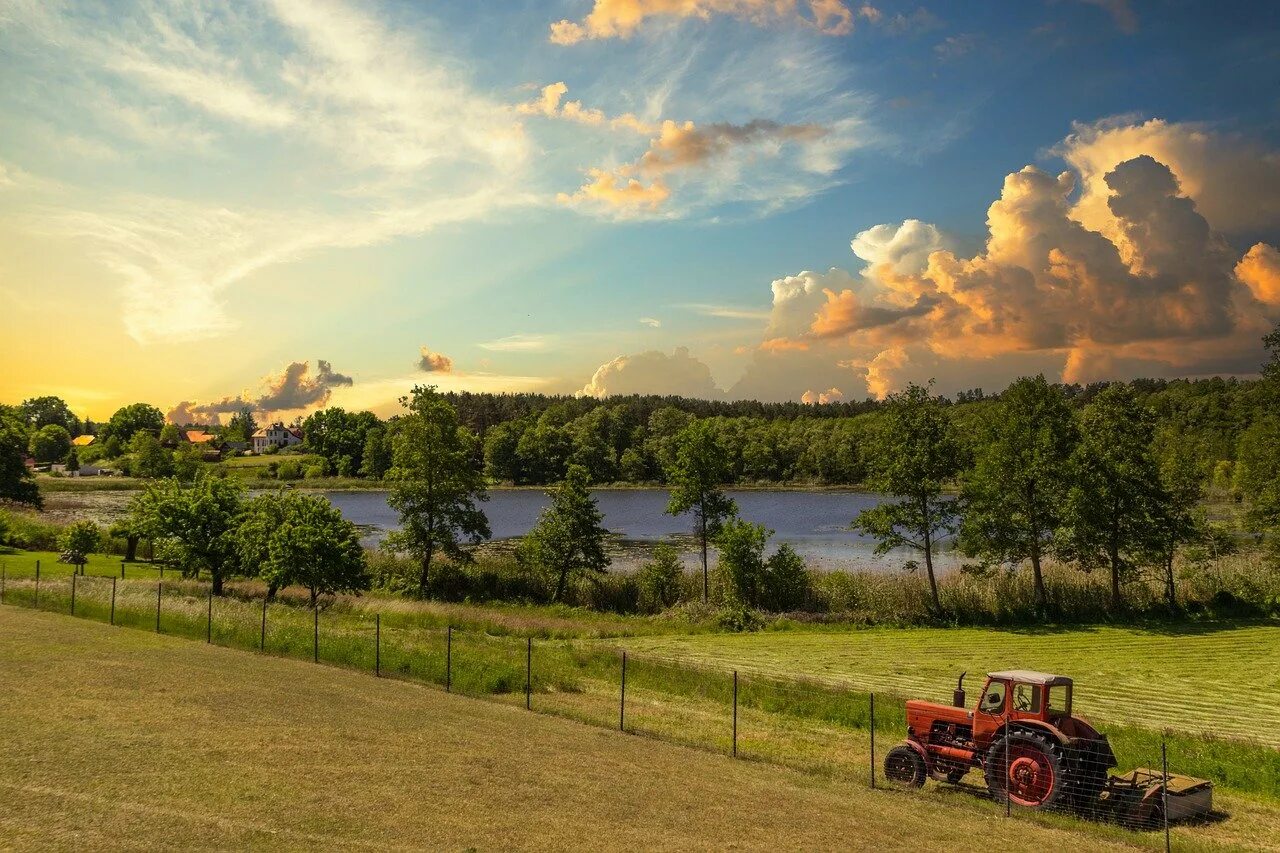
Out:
{"x": 124, "y": 739}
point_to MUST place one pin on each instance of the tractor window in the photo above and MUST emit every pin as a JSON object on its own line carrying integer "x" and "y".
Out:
{"x": 993, "y": 699}
{"x": 1026, "y": 698}
{"x": 1060, "y": 700}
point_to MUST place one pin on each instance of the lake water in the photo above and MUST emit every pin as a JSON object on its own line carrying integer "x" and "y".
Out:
{"x": 816, "y": 523}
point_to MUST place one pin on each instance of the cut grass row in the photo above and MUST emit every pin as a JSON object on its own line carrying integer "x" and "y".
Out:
{"x": 1218, "y": 679}
{"x": 582, "y": 679}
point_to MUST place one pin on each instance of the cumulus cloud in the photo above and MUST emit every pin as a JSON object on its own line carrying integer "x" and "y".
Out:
{"x": 434, "y": 362}
{"x": 831, "y": 395}
{"x": 622, "y": 18}
{"x": 293, "y": 388}
{"x": 618, "y": 191}
{"x": 1235, "y": 182}
{"x": 653, "y": 372}
{"x": 1174, "y": 299}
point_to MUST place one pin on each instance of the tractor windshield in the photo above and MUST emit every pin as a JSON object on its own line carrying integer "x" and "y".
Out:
{"x": 1060, "y": 700}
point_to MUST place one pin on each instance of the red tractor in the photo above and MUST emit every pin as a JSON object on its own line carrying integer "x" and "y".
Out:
{"x": 1022, "y": 735}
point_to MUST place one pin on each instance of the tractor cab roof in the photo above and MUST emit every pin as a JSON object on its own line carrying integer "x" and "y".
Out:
{"x": 1028, "y": 676}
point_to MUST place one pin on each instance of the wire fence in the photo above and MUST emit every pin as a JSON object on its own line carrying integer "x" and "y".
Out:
{"x": 1015, "y": 748}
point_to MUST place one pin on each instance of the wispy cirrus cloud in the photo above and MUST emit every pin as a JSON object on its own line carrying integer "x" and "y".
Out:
{"x": 622, "y": 18}
{"x": 375, "y": 134}
{"x": 519, "y": 343}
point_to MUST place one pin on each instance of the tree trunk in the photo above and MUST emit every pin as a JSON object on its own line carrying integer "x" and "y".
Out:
{"x": 1037, "y": 576}
{"x": 272, "y": 589}
{"x": 313, "y": 597}
{"x": 1113, "y": 554}
{"x": 928, "y": 555}
{"x": 216, "y": 574}
{"x": 560, "y": 586}
{"x": 426, "y": 571}
{"x": 706, "y": 584}
{"x": 1170, "y": 591}
{"x": 131, "y": 547}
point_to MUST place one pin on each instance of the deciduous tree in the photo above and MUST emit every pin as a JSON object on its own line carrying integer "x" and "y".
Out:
{"x": 914, "y": 455}
{"x": 43, "y": 411}
{"x": 78, "y": 541}
{"x": 568, "y": 539}
{"x": 287, "y": 538}
{"x": 436, "y": 484}
{"x": 696, "y": 475}
{"x": 17, "y": 485}
{"x": 199, "y": 520}
{"x": 50, "y": 443}
{"x": 1115, "y": 495}
{"x": 129, "y": 420}
{"x": 1014, "y": 494}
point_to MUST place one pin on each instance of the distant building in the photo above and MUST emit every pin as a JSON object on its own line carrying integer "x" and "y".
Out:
{"x": 83, "y": 440}
{"x": 199, "y": 436}
{"x": 276, "y": 435}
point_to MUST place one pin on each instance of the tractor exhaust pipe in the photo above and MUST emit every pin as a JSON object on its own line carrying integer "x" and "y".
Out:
{"x": 958, "y": 698}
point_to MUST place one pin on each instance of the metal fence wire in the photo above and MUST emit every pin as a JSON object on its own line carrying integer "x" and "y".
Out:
{"x": 1019, "y": 747}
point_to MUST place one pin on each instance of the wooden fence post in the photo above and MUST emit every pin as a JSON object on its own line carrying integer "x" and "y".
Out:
{"x": 528, "y": 674}
{"x": 122, "y": 570}
{"x": 872, "y": 714}
{"x": 735, "y": 713}
{"x": 377, "y": 645}
{"x": 448, "y": 659}
{"x": 73, "y": 593}
{"x": 3, "y": 568}
{"x": 159, "y": 593}
{"x": 37, "y": 583}
{"x": 315, "y": 642}
{"x": 208, "y": 625}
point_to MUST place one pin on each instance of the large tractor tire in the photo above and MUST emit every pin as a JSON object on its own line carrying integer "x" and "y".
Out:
{"x": 1026, "y": 769}
{"x": 904, "y": 766}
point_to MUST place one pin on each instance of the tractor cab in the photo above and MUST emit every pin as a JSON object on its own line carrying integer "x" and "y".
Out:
{"x": 1021, "y": 694}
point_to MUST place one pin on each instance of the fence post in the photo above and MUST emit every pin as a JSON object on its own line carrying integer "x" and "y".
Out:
{"x": 37, "y": 604}
{"x": 735, "y": 713}
{"x": 113, "y": 601}
{"x": 3, "y": 569}
{"x": 377, "y": 645}
{"x": 1164, "y": 792}
{"x": 622, "y": 698}
{"x": 448, "y": 659}
{"x": 872, "y": 714}
{"x": 208, "y": 625}
{"x": 528, "y": 674}
{"x": 1008, "y": 799}
{"x": 73, "y": 593}
{"x": 159, "y": 593}
{"x": 262, "y": 643}
{"x": 315, "y": 642}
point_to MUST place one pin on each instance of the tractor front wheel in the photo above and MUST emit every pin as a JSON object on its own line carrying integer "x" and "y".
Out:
{"x": 904, "y": 766}
{"x": 1026, "y": 769}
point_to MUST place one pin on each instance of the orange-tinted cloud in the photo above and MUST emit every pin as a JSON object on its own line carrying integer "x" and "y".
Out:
{"x": 619, "y": 191}
{"x": 622, "y": 18}
{"x": 1259, "y": 269}
{"x": 831, "y": 395}
{"x": 434, "y": 362}
{"x": 550, "y": 102}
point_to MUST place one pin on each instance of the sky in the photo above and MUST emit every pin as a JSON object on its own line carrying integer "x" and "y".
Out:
{"x": 296, "y": 203}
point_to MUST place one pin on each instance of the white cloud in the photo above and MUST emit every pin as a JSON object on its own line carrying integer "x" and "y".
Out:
{"x": 651, "y": 322}
{"x": 653, "y": 372}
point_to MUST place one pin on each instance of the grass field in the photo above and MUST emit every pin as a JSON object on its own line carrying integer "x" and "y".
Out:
{"x": 1216, "y": 678}
{"x": 116, "y": 738}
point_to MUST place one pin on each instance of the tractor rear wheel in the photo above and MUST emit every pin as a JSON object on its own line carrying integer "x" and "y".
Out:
{"x": 1026, "y": 769}
{"x": 904, "y": 766}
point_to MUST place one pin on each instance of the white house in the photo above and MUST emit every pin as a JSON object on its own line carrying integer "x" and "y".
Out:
{"x": 276, "y": 435}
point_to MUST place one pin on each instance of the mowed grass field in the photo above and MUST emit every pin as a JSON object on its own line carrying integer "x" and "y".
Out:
{"x": 124, "y": 739}
{"x": 1219, "y": 679}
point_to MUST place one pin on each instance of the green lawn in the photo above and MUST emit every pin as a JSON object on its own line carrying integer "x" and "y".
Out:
{"x": 23, "y": 564}
{"x": 1209, "y": 678}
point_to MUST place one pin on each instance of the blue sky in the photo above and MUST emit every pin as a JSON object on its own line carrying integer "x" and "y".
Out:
{"x": 605, "y": 196}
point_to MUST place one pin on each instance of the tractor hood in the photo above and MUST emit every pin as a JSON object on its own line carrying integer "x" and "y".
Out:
{"x": 921, "y": 715}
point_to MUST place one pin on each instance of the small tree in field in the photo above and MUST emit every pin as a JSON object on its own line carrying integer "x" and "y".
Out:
{"x": 287, "y": 538}
{"x": 1178, "y": 519}
{"x": 198, "y": 520}
{"x": 78, "y": 541}
{"x": 696, "y": 474}
{"x": 436, "y": 484}
{"x": 913, "y": 455}
{"x": 776, "y": 583}
{"x": 72, "y": 461}
{"x": 568, "y": 539}
{"x": 659, "y": 579}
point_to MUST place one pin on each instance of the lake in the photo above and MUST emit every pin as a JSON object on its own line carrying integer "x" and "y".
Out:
{"x": 815, "y": 523}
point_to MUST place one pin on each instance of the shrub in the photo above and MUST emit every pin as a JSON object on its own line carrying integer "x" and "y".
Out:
{"x": 289, "y": 469}
{"x": 659, "y": 580}
{"x": 314, "y": 472}
{"x": 786, "y": 583}
{"x": 78, "y": 541}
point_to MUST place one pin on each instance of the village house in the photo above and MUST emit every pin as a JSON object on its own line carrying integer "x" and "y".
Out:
{"x": 276, "y": 435}
{"x": 83, "y": 440}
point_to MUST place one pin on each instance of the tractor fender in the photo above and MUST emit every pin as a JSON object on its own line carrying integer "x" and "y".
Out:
{"x": 1035, "y": 727}
{"x": 918, "y": 747}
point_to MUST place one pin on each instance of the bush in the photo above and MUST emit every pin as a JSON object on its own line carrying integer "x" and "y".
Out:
{"x": 78, "y": 541}
{"x": 786, "y": 582}
{"x": 289, "y": 469}
{"x": 314, "y": 472}
{"x": 659, "y": 580}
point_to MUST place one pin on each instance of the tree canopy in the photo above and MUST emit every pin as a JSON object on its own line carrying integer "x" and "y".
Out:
{"x": 130, "y": 419}
{"x": 568, "y": 539}
{"x": 696, "y": 475}
{"x": 436, "y": 484}
{"x": 291, "y": 538}
{"x": 199, "y": 520}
